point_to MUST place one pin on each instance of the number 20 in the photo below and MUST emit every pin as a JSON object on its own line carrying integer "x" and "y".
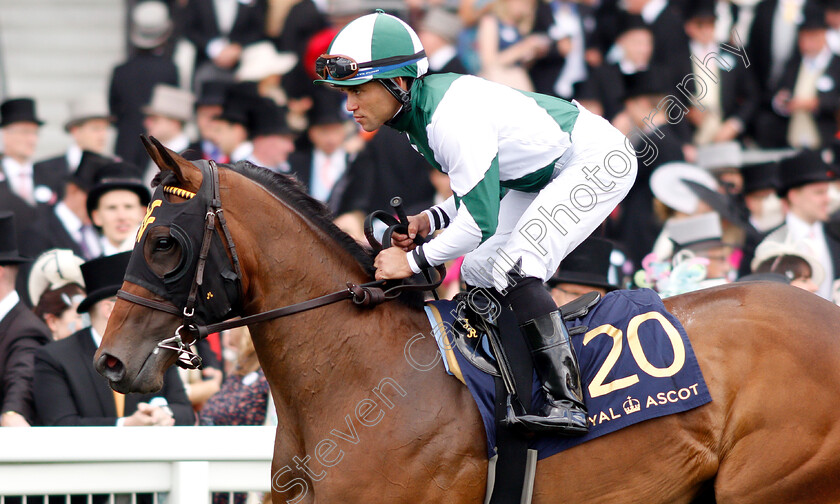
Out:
{"x": 598, "y": 387}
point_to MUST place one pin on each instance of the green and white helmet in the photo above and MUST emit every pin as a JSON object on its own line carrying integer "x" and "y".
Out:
{"x": 376, "y": 46}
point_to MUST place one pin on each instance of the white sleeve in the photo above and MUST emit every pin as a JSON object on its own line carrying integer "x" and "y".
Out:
{"x": 441, "y": 215}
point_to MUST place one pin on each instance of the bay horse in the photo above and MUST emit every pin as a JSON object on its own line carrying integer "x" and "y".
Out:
{"x": 360, "y": 421}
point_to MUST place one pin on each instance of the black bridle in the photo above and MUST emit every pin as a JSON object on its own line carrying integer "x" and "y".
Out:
{"x": 367, "y": 294}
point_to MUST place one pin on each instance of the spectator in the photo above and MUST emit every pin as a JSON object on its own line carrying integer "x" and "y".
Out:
{"x": 670, "y": 43}
{"x": 132, "y": 82}
{"x": 271, "y": 137}
{"x": 220, "y": 30}
{"x": 701, "y": 257}
{"x": 21, "y": 334}
{"x": 69, "y": 391}
{"x": 795, "y": 261}
{"x": 723, "y": 161}
{"x": 88, "y": 126}
{"x": 56, "y": 287}
{"x": 506, "y": 45}
{"x": 568, "y": 24}
{"x": 803, "y": 186}
{"x": 585, "y": 269}
{"x": 116, "y": 205}
{"x": 232, "y": 124}
{"x": 807, "y": 97}
{"x": 19, "y": 126}
{"x": 166, "y": 115}
{"x": 207, "y": 107}
{"x": 438, "y": 33}
{"x": 67, "y": 224}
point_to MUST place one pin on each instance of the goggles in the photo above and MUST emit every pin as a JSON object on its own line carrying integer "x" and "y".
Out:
{"x": 338, "y": 67}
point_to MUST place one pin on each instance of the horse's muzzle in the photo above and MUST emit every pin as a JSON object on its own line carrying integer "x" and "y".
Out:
{"x": 111, "y": 368}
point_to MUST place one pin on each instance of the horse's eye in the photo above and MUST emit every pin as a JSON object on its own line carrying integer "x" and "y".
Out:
{"x": 164, "y": 244}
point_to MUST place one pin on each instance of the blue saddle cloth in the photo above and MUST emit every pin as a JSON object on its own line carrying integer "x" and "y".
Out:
{"x": 636, "y": 363}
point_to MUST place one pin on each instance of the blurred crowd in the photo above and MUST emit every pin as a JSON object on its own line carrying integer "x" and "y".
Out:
{"x": 731, "y": 107}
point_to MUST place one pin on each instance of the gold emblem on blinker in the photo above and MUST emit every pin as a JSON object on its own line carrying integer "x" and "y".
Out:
{"x": 148, "y": 219}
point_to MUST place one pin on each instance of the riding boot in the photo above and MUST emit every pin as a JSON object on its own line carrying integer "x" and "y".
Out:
{"x": 557, "y": 367}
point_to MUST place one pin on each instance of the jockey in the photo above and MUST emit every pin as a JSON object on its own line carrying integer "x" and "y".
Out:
{"x": 532, "y": 177}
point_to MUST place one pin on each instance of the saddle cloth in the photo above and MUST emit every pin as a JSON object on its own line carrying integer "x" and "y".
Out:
{"x": 636, "y": 364}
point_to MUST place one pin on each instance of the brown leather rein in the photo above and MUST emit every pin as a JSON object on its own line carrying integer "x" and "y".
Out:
{"x": 368, "y": 294}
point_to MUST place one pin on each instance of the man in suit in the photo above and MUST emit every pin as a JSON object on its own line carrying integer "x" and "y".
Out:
{"x": 132, "y": 82}
{"x": 772, "y": 41}
{"x": 272, "y": 139}
{"x": 219, "y": 30}
{"x": 232, "y": 134}
{"x": 670, "y": 43}
{"x": 803, "y": 185}
{"x": 19, "y": 125}
{"x": 208, "y": 106}
{"x": 116, "y": 205}
{"x": 166, "y": 115}
{"x": 88, "y": 126}
{"x": 21, "y": 333}
{"x": 67, "y": 224}
{"x": 69, "y": 391}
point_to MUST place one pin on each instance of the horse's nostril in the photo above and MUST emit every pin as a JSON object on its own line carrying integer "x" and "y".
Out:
{"x": 111, "y": 367}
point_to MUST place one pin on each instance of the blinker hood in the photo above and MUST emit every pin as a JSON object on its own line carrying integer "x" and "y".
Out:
{"x": 218, "y": 294}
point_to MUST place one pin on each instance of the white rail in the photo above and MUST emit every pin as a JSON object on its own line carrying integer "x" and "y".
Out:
{"x": 186, "y": 462}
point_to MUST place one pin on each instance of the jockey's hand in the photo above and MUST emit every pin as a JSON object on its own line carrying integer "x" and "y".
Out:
{"x": 391, "y": 264}
{"x": 417, "y": 225}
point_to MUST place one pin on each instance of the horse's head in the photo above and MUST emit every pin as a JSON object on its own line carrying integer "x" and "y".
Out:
{"x": 180, "y": 275}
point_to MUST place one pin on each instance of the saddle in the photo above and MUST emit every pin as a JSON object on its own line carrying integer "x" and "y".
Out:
{"x": 470, "y": 327}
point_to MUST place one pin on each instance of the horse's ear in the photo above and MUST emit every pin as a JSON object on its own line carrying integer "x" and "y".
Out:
{"x": 188, "y": 175}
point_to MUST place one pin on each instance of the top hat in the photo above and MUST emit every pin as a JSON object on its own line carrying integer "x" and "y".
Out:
{"x": 212, "y": 93}
{"x": 807, "y": 167}
{"x": 151, "y": 24}
{"x": 760, "y": 176}
{"x": 86, "y": 108}
{"x": 700, "y": 9}
{"x": 117, "y": 175}
{"x": 443, "y": 23}
{"x": 326, "y": 108}
{"x": 629, "y": 22}
{"x": 85, "y": 175}
{"x": 588, "y": 264}
{"x": 646, "y": 82}
{"x": 813, "y": 17}
{"x": 696, "y": 232}
{"x": 262, "y": 60}
{"x": 103, "y": 278}
{"x": 52, "y": 270}
{"x": 719, "y": 156}
{"x": 668, "y": 185}
{"x": 268, "y": 118}
{"x": 833, "y": 5}
{"x": 18, "y": 110}
{"x": 8, "y": 241}
{"x": 240, "y": 100}
{"x": 170, "y": 101}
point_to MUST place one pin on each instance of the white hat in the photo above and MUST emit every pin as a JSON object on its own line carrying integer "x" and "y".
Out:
{"x": 703, "y": 229}
{"x": 803, "y": 248}
{"x": 170, "y": 101}
{"x": 91, "y": 106}
{"x": 719, "y": 155}
{"x": 52, "y": 270}
{"x": 150, "y": 24}
{"x": 262, "y": 60}
{"x": 667, "y": 185}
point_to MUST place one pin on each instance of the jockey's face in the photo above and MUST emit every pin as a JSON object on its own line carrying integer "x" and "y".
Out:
{"x": 371, "y": 104}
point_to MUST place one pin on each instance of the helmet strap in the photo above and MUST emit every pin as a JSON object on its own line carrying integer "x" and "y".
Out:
{"x": 401, "y": 95}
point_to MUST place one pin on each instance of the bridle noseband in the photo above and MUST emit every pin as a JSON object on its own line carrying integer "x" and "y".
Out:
{"x": 367, "y": 294}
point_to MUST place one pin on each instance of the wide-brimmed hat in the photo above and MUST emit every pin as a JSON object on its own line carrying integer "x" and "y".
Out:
{"x": 85, "y": 108}
{"x": 117, "y": 175}
{"x": 804, "y": 249}
{"x": 262, "y": 60}
{"x": 588, "y": 264}
{"x": 103, "y": 278}
{"x": 807, "y": 167}
{"x": 151, "y": 24}
{"x": 170, "y": 101}
{"x": 697, "y": 232}
{"x": 9, "y": 254}
{"x": 52, "y": 270}
{"x": 667, "y": 184}
{"x": 18, "y": 110}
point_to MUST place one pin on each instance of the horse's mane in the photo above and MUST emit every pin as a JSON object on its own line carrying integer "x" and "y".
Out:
{"x": 290, "y": 190}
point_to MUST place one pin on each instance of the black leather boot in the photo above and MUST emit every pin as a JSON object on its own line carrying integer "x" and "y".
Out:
{"x": 557, "y": 367}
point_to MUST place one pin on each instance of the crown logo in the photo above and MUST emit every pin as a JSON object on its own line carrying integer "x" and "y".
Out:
{"x": 631, "y": 405}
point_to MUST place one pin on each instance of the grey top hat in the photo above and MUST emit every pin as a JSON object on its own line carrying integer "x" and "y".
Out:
{"x": 442, "y": 22}
{"x": 84, "y": 108}
{"x": 170, "y": 101}
{"x": 697, "y": 232}
{"x": 151, "y": 24}
{"x": 719, "y": 156}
